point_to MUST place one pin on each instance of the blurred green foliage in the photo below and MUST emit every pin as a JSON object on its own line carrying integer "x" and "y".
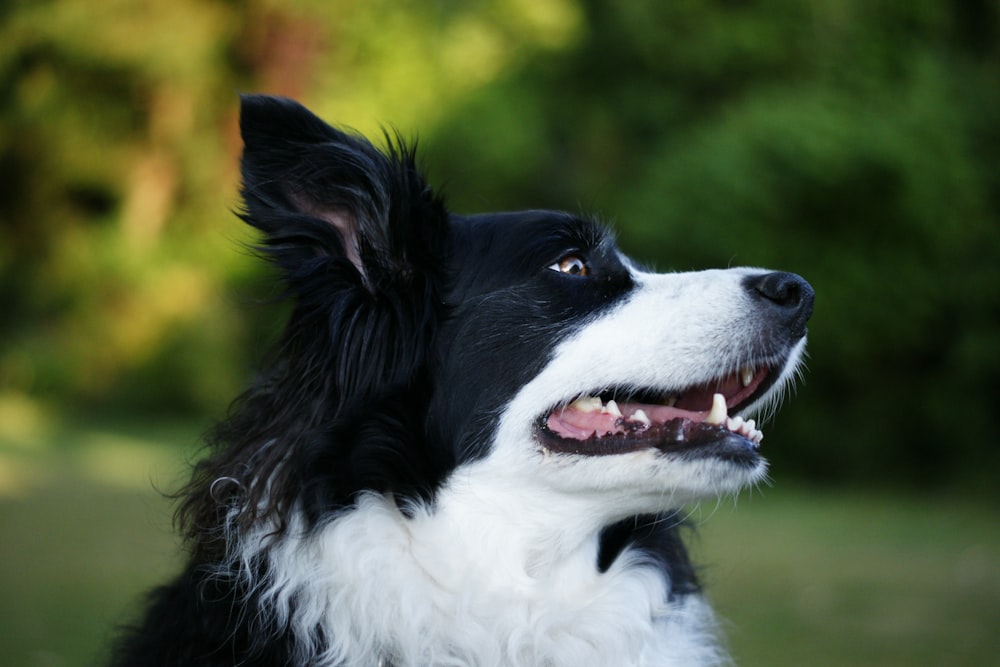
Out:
{"x": 854, "y": 141}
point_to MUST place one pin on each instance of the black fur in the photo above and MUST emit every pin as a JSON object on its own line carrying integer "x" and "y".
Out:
{"x": 389, "y": 292}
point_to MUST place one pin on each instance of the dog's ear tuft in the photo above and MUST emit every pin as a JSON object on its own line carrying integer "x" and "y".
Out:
{"x": 327, "y": 198}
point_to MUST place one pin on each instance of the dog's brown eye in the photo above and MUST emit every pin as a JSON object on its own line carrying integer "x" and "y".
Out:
{"x": 572, "y": 265}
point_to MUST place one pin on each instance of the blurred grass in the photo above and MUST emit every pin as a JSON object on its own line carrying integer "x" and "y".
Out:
{"x": 82, "y": 529}
{"x": 800, "y": 576}
{"x": 839, "y": 577}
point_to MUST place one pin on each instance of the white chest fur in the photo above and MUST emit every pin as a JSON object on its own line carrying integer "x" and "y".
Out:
{"x": 450, "y": 588}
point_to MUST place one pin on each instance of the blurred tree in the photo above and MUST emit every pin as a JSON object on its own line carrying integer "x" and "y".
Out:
{"x": 118, "y": 155}
{"x": 112, "y": 155}
{"x": 856, "y": 142}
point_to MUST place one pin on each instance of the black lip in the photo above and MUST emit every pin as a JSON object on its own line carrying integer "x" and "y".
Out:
{"x": 704, "y": 441}
{"x": 682, "y": 437}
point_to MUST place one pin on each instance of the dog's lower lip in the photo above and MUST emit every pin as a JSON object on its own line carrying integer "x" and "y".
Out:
{"x": 596, "y": 425}
{"x": 677, "y": 436}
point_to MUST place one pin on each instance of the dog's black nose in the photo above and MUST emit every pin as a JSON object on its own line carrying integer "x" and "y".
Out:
{"x": 787, "y": 295}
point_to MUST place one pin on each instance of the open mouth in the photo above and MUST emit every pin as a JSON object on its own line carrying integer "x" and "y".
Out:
{"x": 693, "y": 419}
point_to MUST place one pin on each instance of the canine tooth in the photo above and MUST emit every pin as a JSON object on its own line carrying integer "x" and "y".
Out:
{"x": 640, "y": 416}
{"x": 612, "y": 409}
{"x": 586, "y": 404}
{"x": 746, "y": 375}
{"x": 718, "y": 414}
{"x": 670, "y": 402}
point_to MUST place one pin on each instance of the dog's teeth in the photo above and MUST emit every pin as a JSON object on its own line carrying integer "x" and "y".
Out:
{"x": 718, "y": 414}
{"x": 640, "y": 416}
{"x": 612, "y": 409}
{"x": 586, "y": 404}
{"x": 670, "y": 401}
{"x": 745, "y": 427}
{"x": 746, "y": 375}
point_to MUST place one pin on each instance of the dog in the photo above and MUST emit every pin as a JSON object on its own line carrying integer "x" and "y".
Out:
{"x": 475, "y": 439}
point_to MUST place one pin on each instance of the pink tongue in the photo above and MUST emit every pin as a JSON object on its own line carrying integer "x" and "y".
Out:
{"x": 693, "y": 405}
{"x": 579, "y": 425}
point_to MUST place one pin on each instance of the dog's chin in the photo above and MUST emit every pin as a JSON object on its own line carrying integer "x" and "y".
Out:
{"x": 666, "y": 467}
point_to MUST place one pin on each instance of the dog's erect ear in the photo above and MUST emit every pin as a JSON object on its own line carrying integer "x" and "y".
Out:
{"x": 319, "y": 193}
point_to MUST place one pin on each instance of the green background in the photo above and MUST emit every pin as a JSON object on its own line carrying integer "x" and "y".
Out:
{"x": 855, "y": 142}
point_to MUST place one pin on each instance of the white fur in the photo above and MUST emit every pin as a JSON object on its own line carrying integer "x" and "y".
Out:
{"x": 501, "y": 569}
{"x": 464, "y": 585}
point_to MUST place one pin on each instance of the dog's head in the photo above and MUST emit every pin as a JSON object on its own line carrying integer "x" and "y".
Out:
{"x": 523, "y": 346}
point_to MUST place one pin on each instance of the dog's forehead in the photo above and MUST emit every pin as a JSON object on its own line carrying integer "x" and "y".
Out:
{"x": 492, "y": 251}
{"x": 526, "y": 237}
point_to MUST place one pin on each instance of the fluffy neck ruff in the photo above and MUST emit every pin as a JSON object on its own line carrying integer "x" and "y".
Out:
{"x": 472, "y": 582}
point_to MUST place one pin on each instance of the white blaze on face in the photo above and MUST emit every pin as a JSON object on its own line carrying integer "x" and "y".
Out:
{"x": 672, "y": 331}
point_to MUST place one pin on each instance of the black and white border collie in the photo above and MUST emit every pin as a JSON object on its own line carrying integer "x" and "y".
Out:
{"x": 476, "y": 435}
